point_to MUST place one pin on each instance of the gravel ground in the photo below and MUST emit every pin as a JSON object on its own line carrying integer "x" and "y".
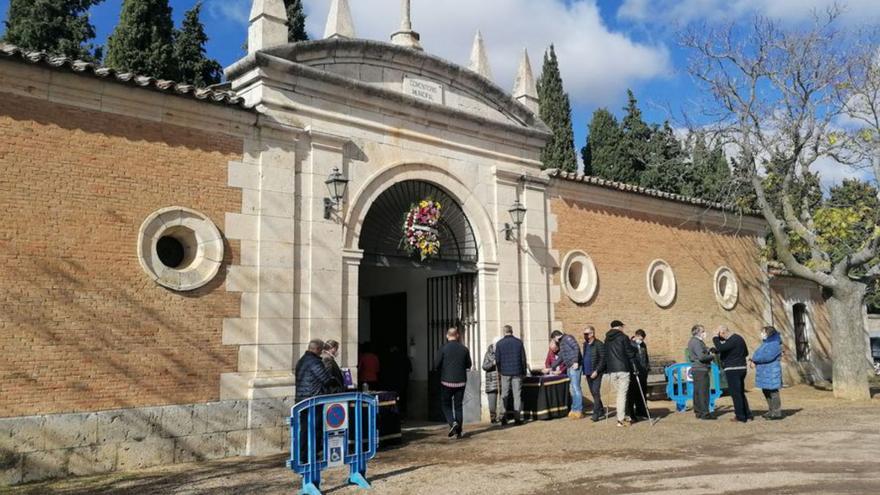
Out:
{"x": 823, "y": 447}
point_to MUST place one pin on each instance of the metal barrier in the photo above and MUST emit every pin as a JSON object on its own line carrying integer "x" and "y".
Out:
{"x": 339, "y": 448}
{"x": 680, "y": 385}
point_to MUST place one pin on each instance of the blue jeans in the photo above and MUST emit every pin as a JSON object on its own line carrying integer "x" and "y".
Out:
{"x": 577, "y": 396}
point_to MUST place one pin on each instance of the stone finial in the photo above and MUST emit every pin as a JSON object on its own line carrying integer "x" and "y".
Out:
{"x": 479, "y": 58}
{"x": 268, "y": 25}
{"x": 406, "y": 36}
{"x": 525, "y": 90}
{"x": 339, "y": 21}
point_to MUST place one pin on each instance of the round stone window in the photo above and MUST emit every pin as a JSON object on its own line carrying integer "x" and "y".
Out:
{"x": 579, "y": 277}
{"x": 726, "y": 288}
{"x": 180, "y": 248}
{"x": 661, "y": 283}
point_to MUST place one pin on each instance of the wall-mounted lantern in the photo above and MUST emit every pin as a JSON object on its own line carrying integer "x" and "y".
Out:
{"x": 517, "y": 216}
{"x": 336, "y": 185}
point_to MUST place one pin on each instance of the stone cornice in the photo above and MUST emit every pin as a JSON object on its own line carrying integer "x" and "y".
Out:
{"x": 396, "y": 102}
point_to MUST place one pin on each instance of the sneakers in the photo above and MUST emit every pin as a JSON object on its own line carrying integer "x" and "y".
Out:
{"x": 575, "y": 415}
{"x": 622, "y": 424}
{"x": 454, "y": 430}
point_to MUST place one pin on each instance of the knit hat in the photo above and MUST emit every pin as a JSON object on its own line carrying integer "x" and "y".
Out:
{"x": 616, "y": 324}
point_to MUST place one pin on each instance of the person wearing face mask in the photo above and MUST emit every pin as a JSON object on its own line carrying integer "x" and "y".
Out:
{"x": 637, "y": 400}
{"x": 733, "y": 351}
{"x": 701, "y": 362}
{"x": 767, "y": 360}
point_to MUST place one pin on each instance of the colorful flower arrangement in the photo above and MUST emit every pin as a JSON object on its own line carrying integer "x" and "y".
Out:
{"x": 420, "y": 229}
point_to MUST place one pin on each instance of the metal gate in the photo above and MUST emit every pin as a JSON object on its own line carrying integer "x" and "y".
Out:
{"x": 452, "y": 302}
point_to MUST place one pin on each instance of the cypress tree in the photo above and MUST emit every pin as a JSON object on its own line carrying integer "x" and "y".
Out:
{"x": 143, "y": 40}
{"x": 59, "y": 27}
{"x": 636, "y": 136}
{"x": 668, "y": 169}
{"x": 556, "y": 113}
{"x": 296, "y": 21}
{"x": 604, "y": 146}
{"x": 193, "y": 66}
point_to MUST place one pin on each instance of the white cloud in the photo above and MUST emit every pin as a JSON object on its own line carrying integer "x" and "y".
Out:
{"x": 236, "y": 11}
{"x": 596, "y": 62}
{"x": 832, "y": 173}
{"x": 684, "y": 11}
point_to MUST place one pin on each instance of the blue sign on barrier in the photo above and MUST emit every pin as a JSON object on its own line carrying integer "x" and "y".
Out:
{"x": 343, "y": 433}
{"x": 680, "y": 385}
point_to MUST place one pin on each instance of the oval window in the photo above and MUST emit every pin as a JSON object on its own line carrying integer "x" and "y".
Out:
{"x": 579, "y": 277}
{"x": 726, "y": 288}
{"x": 661, "y": 283}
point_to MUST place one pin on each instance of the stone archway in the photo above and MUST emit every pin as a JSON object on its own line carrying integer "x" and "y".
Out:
{"x": 457, "y": 288}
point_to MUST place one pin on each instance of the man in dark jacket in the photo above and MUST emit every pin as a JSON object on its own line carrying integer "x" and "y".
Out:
{"x": 637, "y": 400}
{"x": 594, "y": 368}
{"x": 619, "y": 365}
{"x": 701, "y": 364}
{"x": 733, "y": 352}
{"x": 510, "y": 354}
{"x": 570, "y": 355}
{"x": 312, "y": 377}
{"x": 453, "y": 361}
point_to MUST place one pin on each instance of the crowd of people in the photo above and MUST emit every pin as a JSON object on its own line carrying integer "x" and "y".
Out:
{"x": 620, "y": 359}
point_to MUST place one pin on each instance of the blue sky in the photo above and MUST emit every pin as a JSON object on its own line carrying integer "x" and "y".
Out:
{"x": 604, "y": 46}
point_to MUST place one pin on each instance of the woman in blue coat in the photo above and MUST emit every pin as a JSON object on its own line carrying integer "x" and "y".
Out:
{"x": 767, "y": 360}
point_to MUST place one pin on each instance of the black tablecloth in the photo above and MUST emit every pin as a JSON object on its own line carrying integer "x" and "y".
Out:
{"x": 546, "y": 397}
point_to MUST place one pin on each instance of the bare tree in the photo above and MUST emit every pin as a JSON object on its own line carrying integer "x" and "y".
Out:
{"x": 781, "y": 94}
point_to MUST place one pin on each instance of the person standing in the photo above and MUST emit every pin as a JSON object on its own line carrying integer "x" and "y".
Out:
{"x": 701, "y": 362}
{"x": 453, "y": 361}
{"x": 768, "y": 375}
{"x": 328, "y": 357}
{"x": 733, "y": 352}
{"x": 368, "y": 367}
{"x": 638, "y": 400}
{"x": 552, "y": 356}
{"x": 619, "y": 357}
{"x": 511, "y": 358}
{"x": 312, "y": 379}
{"x": 493, "y": 384}
{"x": 594, "y": 368}
{"x": 570, "y": 356}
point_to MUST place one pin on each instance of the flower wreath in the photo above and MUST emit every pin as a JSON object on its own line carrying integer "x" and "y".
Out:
{"x": 420, "y": 234}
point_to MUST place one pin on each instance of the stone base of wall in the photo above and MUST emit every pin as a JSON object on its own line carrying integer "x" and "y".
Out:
{"x": 36, "y": 448}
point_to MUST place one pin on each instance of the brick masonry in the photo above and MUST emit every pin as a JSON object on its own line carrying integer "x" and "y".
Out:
{"x": 83, "y": 328}
{"x": 622, "y": 243}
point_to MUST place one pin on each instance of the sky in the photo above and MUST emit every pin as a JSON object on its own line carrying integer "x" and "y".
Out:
{"x": 604, "y": 46}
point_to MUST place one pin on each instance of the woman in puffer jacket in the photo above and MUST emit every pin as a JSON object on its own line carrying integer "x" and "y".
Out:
{"x": 493, "y": 384}
{"x": 767, "y": 360}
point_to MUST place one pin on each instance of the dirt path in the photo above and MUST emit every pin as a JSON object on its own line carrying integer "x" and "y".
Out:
{"x": 823, "y": 447}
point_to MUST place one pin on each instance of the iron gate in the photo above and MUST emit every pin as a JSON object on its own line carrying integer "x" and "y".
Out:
{"x": 452, "y": 302}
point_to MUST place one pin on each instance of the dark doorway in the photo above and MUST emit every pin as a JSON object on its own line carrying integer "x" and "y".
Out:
{"x": 802, "y": 345}
{"x": 388, "y": 322}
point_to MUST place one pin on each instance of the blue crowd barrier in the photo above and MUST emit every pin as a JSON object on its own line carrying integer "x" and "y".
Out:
{"x": 680, "y": 385}
{"x": 343, "y": 433}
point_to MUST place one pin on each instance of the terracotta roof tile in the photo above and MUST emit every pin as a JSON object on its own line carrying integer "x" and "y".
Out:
{"x": 13, "y": 52}
{"x": 644, "y": 191}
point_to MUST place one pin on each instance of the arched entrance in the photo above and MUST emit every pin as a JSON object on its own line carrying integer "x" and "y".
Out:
{"x": 405, "y": 304}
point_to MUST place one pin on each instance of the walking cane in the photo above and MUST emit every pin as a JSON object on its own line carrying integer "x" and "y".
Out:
{"x": 644, "y": 400}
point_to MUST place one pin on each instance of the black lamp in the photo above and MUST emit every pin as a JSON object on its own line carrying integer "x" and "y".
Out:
{"x": 336, "y": 185}
{"x": 517, "y": 216}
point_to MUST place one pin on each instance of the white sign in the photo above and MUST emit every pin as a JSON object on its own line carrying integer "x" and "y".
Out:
{"x": 335, "y": 454}
{"x": 423, "y": 89}
{"x": 688, "y": 373}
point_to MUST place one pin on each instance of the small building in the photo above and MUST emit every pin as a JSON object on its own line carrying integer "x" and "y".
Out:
{"x": 168, "y": 252}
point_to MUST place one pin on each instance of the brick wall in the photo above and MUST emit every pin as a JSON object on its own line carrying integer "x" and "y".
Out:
{"x": 623, "y": 243}
{"x": 785, "y": 293}
{"x": 82, "y": 327}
